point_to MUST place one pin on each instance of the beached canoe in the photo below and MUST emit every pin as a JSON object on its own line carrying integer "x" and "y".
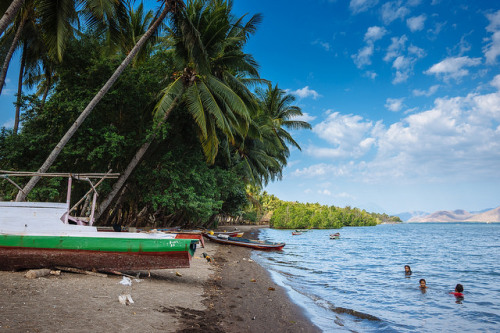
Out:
{"x": 254, "y": 244}
{"x": 229, "y": 233}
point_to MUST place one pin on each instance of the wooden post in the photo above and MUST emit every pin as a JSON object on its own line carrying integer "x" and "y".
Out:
{"x": 68, "y": 199}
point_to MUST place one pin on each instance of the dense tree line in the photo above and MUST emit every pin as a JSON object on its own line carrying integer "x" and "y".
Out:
{"x": 295, "y": 215}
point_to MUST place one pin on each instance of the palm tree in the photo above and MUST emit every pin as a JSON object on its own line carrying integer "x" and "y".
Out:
{"x": 173, "y": 5}
{"x": 277, "y": 105}
{"x": 263, "y": 153}
{"x": 11, "y": 37}
{"x": 129, "y": 30}
{"x": 9, "y": 14}
{"x": 207, "y": 47}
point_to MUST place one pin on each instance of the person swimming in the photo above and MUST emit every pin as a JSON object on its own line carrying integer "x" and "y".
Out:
{"x": 423, "y": 285}
{"x": 459, "y": 289}
{"x": 407, "y": 270}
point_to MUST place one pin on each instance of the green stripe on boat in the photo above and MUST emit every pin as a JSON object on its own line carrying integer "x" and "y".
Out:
{"x": 98, "y": 243}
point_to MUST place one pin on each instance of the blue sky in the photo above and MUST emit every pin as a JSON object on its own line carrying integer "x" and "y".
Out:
{"x": 403, "y": 98}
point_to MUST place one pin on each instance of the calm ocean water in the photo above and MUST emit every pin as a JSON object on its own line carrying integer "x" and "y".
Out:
{"x": 362, "y": 273}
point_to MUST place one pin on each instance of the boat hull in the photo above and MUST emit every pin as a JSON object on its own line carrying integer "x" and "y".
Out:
{"x": 101, "y": 253}
{"x": 257, "y": 245}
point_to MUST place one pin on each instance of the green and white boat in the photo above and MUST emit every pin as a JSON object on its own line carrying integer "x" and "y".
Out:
{"x": 42, "y": 235}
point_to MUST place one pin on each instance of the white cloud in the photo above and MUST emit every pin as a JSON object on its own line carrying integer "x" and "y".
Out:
{"x": 371, "y": 75}
{"x": 431, "y": 91}
{"x": 305, "y": 117}
{"x": 321, "y": 170}
{"x": 8, "y": 124}
{"x": 453, "y": 67}
{"x": 416, "y": 23}
{"x": 494, "y": 21}
{"x": 363, "y": 57}
{"x": 403, "y": 59}
{"x": 346, "y": 133}
{"x": 393, "y": 10}
{"x": 324, "y": 192}
{"x": 394, "y": 104}
{"x": 358, "y": 6}
{"x": 396, "y": 48}
{"x": 344, "y": 195}
{"x": 325, "y": 45}
{"x": 496, "y": 82}
{"x": 375, "y": 33}
{"x": 457, "y": 139}
{"x": 492, "y": 50}
{"x": 305, "y": 92}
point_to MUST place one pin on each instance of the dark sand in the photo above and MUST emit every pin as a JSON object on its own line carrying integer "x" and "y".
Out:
{"x": 208, "y": 297}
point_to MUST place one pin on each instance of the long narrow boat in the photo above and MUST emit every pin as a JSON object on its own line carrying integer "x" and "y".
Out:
{"x": 254, "y": 244}
{"x": 41, "y": 234}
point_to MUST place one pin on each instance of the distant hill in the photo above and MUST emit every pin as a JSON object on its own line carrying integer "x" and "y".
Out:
{"x": 459, "y": 215}
{"x": 406, "y": 216}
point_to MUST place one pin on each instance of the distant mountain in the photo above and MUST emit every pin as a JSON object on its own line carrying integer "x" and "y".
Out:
{"x": 408, "y": 215}
{"x": 459, "y": 215}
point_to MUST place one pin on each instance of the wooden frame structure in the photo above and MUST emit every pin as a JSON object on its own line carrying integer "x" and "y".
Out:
{"x": 78, "y": 176}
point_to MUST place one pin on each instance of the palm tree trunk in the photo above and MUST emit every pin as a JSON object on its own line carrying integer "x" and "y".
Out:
{"x": 135, "y": 161}
{"x": 21, "y": 195}
{"x": 20, "y": 90}
{"x": 48, "y": 83}
{"x": 9, "y": 14}
{"x": 44, "y": 97}
{"x": 12, "y": 48}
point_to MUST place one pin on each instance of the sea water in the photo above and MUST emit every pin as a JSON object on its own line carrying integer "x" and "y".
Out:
{"x": 357, "y": 283}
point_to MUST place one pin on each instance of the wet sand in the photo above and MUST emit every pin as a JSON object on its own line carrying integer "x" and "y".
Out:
{"x": 230, "y": 294}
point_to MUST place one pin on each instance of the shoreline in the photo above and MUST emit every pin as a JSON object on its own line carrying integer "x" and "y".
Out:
{"x": 232, "y": 294}
{"x": 242, "y": 297}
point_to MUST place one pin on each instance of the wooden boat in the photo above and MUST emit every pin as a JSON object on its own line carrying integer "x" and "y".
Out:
{"x": 41, "y": 235}
{"x": 254, "y": 244}
{"x": 335, "y": 236}
{"x": 296, "y": 233}
{"x": 229, "y": 233}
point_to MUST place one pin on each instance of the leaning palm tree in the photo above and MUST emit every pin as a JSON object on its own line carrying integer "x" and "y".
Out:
{"x": 203, "y": 35}
{"x": 172, "y": 5}
{"x": 9, "y": 13}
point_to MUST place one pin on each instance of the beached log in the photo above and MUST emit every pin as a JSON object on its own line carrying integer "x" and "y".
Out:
{"x": 34, "y": 273}
{"x": 81, "y": 271}
{"x": 122, "y": 274}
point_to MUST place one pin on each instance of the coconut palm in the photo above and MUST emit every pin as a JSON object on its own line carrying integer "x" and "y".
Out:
{"x": 263, "y": 153}
{"x": 277, "y": 105}
{"x": 172, "y": 5}
{"x": 207, "y": 48}
{"x": 130, "y": 29}
{"x": 9, "y": 13}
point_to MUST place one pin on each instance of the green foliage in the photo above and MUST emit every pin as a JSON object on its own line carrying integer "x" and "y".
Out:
{"x": 295, "y": 215}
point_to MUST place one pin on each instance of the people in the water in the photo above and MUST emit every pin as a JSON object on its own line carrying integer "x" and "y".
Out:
{"x": 459, "y": 289}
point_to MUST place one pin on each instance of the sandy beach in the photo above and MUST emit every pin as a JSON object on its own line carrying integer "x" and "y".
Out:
{"x": 230, "y": 294}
